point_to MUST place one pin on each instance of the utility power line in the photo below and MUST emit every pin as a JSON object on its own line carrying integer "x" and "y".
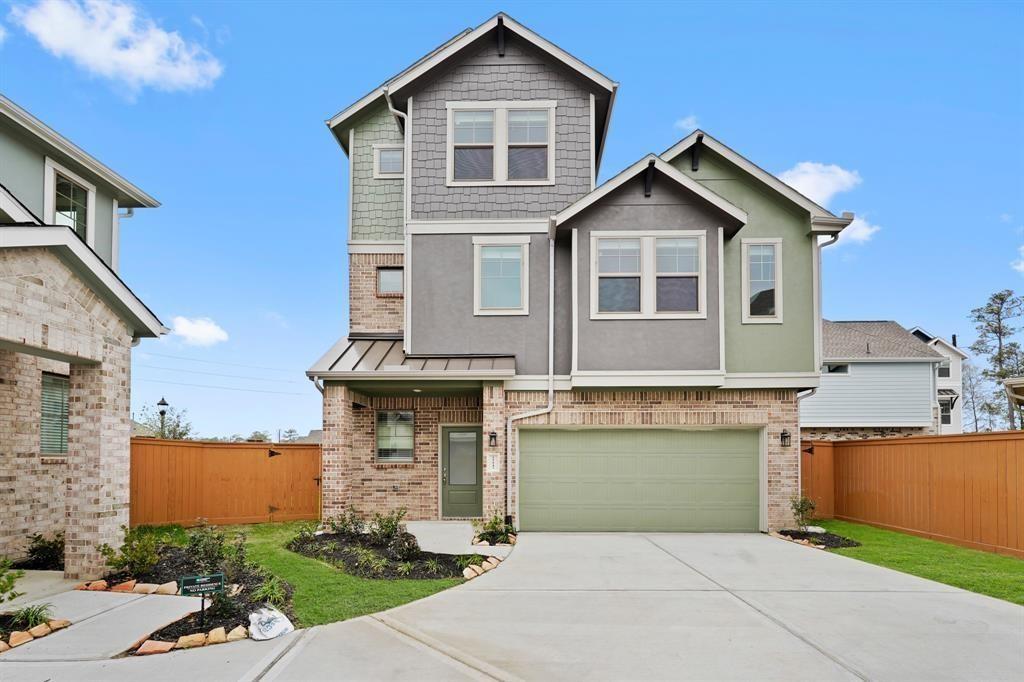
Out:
{"x": 221, "y": 388}
{"x": 217, "y": 362}
{"x": 218, "y": 374}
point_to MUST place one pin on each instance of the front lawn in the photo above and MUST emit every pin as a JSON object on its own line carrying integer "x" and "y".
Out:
{"x": 997, "y": 576}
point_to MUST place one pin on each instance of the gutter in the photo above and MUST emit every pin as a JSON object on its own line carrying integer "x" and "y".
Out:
{"x": 317, "y": 384}
{"x": 512, "y": 434}
{"x": 402, "y": 120}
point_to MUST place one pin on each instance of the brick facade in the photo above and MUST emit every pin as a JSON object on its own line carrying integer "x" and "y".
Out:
{"x": 368, "y": 310}
{"x": 357, "y": 479}
{"x": 46, "y": 310}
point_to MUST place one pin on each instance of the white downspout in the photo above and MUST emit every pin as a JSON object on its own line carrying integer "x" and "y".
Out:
{"x": 406, "y": 244}
{"x": 511, "y": 434}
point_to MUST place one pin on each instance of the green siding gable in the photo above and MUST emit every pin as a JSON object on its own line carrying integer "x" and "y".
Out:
{"x": 376, "y": 203}
{"x": 786, "y": 347}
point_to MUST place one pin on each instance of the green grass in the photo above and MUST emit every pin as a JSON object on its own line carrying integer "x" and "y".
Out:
{"x": 997, "y": 576}
{"x": 323, "y": 593}
{"x": 172, "y": 533}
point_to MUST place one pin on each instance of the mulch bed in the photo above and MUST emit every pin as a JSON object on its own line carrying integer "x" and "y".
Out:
{"x": 359, "y": 556}
{"x": 7, "y": 625}
{"x": 830, "y": 540}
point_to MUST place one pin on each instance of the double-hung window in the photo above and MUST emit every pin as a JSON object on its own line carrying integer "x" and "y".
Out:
{"x": 762, "y": 281}
{"x": 945, "y": 412}
{"x": 53, "y": 421}
{"x": 648, "y": 275}
{"x": 69, "y": 200}
{"x": 388, "y": 161}
{"x": 395, "y": 435}
{"x": 501, "y": 273}
{"x": 501, "y": 143}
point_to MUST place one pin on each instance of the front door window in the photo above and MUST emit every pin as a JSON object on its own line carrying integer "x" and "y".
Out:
{"x": 461, "y": 472}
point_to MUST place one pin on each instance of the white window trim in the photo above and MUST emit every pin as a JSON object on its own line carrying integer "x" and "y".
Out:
{"x": 746, "y": 317}
{"x": 648, "y": 275}
{"x": 50, "y": 200}
{"x": 377, "y": 174}
{"x": 376, "y": 445}
{"x": 390, "y": 294}
{"x": 502, "y": 240}
{"x": 826, "y": 373}
{"x": 500, "y": 141}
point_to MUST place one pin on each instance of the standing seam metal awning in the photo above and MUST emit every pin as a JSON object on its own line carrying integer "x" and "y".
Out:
{"x": 384, "y": 357}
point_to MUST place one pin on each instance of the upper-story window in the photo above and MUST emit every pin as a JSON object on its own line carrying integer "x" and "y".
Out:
{"x": 501, "y": 143}
{"x": 943, "y": 371}
{"x": 69, "y": 200}
{"x": 762, "y": 280}
{"x": 501, "y": 275}
{"x": 388, "y": 161}
{"x": 650, "y": 275}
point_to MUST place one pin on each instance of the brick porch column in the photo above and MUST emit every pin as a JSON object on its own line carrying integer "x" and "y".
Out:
{"x": 336, "y": 449}
{"x": 99, "y": 457}
{"x": 493, "y": 404}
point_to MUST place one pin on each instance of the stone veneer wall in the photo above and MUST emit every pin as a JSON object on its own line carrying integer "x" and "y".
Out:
{"x": 32, "y": 485}
{"x": 863, "y": 432}
{"x": 369, "y": 311}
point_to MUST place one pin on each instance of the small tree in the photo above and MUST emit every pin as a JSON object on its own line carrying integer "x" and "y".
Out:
{"x": 289, "y": 436}
{"x": 259, "y": 437}
{"x": 994, "y": 322}
{"x": 803, "y": 510}
{"x": 176, "y": 425}
{"x": 977, "y": 392}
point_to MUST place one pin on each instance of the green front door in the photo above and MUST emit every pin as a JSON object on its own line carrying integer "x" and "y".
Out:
{"x": 639, "y": 480}
{"x": 462, "y": 493}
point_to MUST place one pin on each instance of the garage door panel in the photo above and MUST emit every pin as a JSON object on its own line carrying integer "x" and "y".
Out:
{"x": 651, "y": 480}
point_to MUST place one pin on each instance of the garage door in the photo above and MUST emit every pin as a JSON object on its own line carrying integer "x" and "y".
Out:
{"x": 638, "y": 480}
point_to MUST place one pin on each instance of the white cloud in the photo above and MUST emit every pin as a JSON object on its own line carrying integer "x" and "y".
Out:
{"x": 198, "y": 331}
{"x": 3, "y": 34}
{"x": 687, "y": 124}
{"x": 819, "y": 181}
{"x": 858, "y": 232}
{"x": 116, "y": 40}
{"x": 1018, "y": 264}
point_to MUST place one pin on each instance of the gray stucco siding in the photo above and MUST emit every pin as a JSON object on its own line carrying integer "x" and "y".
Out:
{"x": 520, "y": 75}
{"x": 638, "y": 345}
{"x": 377, "y": 211}
{"x": 442, "y": 305}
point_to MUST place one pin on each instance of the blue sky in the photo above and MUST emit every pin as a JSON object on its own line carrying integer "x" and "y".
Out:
{"x": 909, "y": 114}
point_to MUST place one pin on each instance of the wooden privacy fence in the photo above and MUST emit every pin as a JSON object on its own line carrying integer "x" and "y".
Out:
{"x": 966, "y": 489}
{"x": 180, "y": 481}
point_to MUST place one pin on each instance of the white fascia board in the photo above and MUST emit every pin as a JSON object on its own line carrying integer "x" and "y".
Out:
{"x": 406, "y": 375}
{"x": 358, "y": 246}
{"x": 10, "y": 205}
{"x": 64, "y": 146}
{"x": 666, "y": 169}
{"x": 872, "y": 361}
{"x": 756, "y": 171}
{"x": 68, "y": 245}
{"x": 938, "y": 339}
{"x": 772, "y": 380}
{"x": 539, "y": 226}
{"x": 537, "y": 382}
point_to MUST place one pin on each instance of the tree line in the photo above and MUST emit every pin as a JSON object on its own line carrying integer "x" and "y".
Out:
{"x": 999, "y": 356}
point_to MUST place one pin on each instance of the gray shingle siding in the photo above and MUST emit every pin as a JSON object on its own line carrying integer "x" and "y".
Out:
{"x": 519, "y": 75}
{"x": 376, "y": 203}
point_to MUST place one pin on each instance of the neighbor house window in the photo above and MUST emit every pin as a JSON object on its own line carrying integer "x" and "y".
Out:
{"x": 837, "y": 369}
{"x": 946, "y": 412}
{"x": 501, "y": 142}
{"x": 69, "y": 200}
{"x": 395, "y": 436}
{"x": 648, "y": 274}
{"x": 944, "y": 372}
{"x": 388, "y": 161}
{"x": 390, "y": 281}
{"x": 53, "y": 432}
{"x": 501, "y": 273}
{"x": 762, "y": 281}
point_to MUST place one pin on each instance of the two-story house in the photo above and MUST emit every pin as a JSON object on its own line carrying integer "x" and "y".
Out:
{"x": 880, "y": 380}
{"x": 67, "y": 326}
{"x": 950, "y": 383}
{"x": 627, "y": 356}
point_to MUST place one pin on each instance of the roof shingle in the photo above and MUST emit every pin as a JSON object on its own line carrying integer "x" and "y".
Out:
{"x": 869, "y": 340}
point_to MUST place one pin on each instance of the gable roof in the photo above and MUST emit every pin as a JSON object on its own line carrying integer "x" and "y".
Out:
{"x": 873, "y": 340}
{"x": 931, "y": 339}
{"x": 12, "y": 206}
{"x": 129, "y": 196}
{"x": 665, "y": 169}
{"x": 453, "y": 47}
{"x": 822, "y": 220}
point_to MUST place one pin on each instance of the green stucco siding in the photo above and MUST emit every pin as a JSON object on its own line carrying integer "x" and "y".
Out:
{"x": 639, "y": 480}
{"x": 786, "y": 347}
{"x": 376, "y": 203}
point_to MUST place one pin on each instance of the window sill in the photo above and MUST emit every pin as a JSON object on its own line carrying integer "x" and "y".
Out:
{"x": 500, "y": 313}
{"x": 396, "y": 464}
{"x": 500, "y": 183}
{"x": 380, "y": 295}
{"x": 45, "y": 458}
{"x": 644, "y": 316}
{"x": 767, "y": 320}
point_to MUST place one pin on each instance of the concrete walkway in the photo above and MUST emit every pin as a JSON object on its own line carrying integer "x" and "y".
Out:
{"x": 451, "y": 537}
{"x": 632, "y": 606}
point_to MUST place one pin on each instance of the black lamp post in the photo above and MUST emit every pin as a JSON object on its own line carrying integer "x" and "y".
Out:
{"x": 163, "y": 405}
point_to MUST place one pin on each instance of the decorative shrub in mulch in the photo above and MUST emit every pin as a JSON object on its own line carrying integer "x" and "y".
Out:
{"x": 494, "y": 531}
{"x": 44, "y": 553}
{"x": 379, "y": 548}
{"x": 828, "y": 540}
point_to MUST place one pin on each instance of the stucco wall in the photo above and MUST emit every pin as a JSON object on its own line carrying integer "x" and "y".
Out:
{"x": 520, "y": 75}
{"x": 376, "y": 202}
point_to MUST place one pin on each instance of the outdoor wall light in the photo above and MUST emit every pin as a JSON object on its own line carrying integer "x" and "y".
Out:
{"x": 785, "y": 439}
{"x": 492, "y": 439}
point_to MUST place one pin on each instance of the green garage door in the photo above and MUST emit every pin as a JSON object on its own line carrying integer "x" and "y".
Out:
{"x": 638, "y": 480}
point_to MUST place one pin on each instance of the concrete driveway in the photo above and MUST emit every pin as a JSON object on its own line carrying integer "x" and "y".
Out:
{"x": 687, "y": 606}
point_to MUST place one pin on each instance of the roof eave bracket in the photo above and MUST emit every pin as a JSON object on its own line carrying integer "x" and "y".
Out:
{"x": 695, "y": 156}
{"x": 501, "y": 36}
{"x": 649, "y": 179}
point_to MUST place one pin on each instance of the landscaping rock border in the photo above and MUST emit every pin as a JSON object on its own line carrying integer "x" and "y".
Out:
{"x": 193, "y": 641}
{"x": 19, "y": 637}
{"x": 473, "y": 570}
{"x": 485, "y": 543}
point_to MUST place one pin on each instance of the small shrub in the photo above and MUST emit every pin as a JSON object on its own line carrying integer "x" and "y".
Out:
{"x": 379, "y": 564}
{"x": 432, "y": 565}
{"x": 31, "y": 616}
{"x": 349, "y": 523}
{"x": 405, "y": 568}
{"x": 803, "y": 510}
{"x": 8, "y": 577}
{"x": 403, "y": 547}
{"x": 464, "y": 560}
{"x": 385, "y": 527}
{"x": 206, "y": 548}
{"x": 236, "y": 558}
{"x": 45, "y": 553}
{"x": 271, "y": 591}
{"x": 364, "y": 557}
{"x": 137, "y": 556}
{"x": 494, "y": 529}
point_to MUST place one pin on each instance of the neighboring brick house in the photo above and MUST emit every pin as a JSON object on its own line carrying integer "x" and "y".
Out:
{"x": 880, "y": 380}
{"x": 67, "y": 326}
{"x": 526, "y": 343}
